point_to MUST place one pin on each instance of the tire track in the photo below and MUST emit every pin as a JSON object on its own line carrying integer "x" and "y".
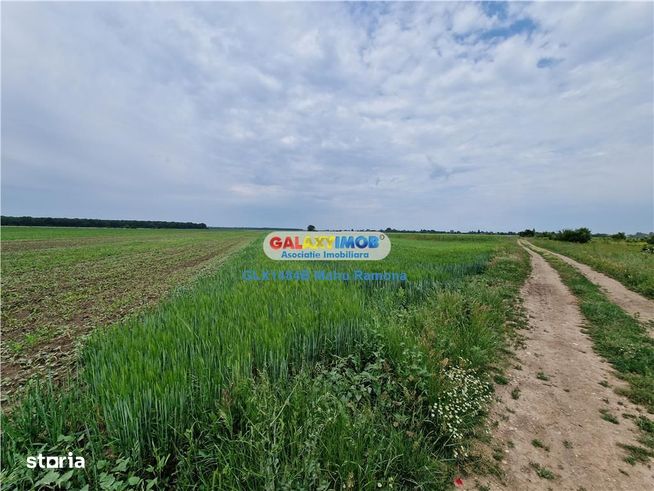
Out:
{"x": 631, "y": 302}
{"x": 550, "y": 415}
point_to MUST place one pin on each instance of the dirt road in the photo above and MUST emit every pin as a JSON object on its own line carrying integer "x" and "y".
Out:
{"x": 631, "y": 302}
{"x": 550, "y": 419}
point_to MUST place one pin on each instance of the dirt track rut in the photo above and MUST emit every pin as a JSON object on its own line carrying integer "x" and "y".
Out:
{"x": 562, "y": 408}
{"x": 631, "y": 302}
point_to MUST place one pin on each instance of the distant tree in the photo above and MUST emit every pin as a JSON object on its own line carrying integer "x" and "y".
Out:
{"x": 311, "y": 228}
{"x": 580, "y": 235}
{"x": 528, "y": 233}
{"x": 94, "y": 222}
{"x": 619, "y": 236}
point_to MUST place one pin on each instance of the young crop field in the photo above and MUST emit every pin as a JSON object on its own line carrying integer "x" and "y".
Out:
{"x": 60, "y": 283}
{"x": 281, "y": 384}
{"x": 622, "y": 260}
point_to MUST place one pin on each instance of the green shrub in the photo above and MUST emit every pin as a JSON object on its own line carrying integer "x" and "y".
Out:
{"x": 580, "y": 235}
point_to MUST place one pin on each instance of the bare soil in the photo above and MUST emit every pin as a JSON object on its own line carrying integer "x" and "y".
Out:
{"x": 553, "y": 426}
{"x": 631, "y": 302}
{"x": 68, "y": 303}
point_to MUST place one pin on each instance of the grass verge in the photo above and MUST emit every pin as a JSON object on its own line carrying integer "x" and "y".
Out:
{"x": 621, "y": 340}
{"x": 621, "y": 260}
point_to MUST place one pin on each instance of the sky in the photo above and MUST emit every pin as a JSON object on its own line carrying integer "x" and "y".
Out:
{"x": 488, "y": 116}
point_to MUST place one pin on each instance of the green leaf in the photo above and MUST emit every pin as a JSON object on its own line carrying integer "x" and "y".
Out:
{"x": 50, "y": 477}
{"x": 106, "y": 480}
{"x": 121, "y": 467}
{"x": 65, "y": 477}
{"x": 133, "y": 480}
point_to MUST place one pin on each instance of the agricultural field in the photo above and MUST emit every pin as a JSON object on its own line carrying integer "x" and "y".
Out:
{"x": 236, "y": 384}
{"x": 60, "y": 283}
{"x": 620, "y": 259}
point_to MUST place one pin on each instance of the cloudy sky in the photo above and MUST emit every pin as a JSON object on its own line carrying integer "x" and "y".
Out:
{"x": 429, "y": 115}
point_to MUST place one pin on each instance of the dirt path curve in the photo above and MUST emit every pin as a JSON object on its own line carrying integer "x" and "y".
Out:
{"x": 631, "y": 302}
{"x": 559, "y": 403}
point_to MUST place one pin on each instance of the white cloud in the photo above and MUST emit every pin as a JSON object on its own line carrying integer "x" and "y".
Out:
{"x": 355, "y": 115}
{"x": 469, "y": 17}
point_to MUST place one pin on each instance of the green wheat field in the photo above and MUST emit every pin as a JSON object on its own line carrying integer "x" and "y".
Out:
{"x": 178, "y": 373}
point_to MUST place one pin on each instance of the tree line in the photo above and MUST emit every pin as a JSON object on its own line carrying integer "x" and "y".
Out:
{"x": 580, "y": 235}
{"x": 95, "y": 222}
